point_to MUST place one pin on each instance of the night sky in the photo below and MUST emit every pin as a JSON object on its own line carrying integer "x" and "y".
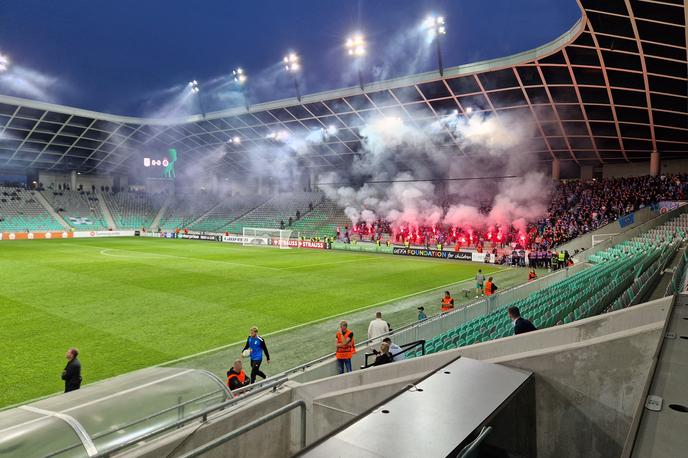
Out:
{"x": 135, "y": 56}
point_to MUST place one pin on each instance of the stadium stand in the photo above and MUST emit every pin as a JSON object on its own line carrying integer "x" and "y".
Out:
{"x": 20, "y": 211}
{"x": 227, "y": 211}
{"x": 185, "y": 209}
{"x": 278, "y": 209}
{"x": 133, "y": 210}
{"x": 78, "y": 208}
{"x": 619, "y": 277}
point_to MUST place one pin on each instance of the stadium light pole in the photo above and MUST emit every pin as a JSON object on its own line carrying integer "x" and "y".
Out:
{"x": 436, "y": 26}
{"x": 240, "y": 78}
{"x": 356, "y": 48}
{"x": 196, "y": 89}
{"x": 4, "y": 63}
{"x": 292, "y": 65}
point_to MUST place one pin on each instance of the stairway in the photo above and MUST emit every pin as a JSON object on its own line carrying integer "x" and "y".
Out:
{"x": 56, "y": 216}
{"x": 105, "y": 211}
{"x": 161, "y": 213}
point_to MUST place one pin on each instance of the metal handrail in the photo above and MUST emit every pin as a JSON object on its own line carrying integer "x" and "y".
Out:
{"x": 203, "y": 415}
{"x": 404, "y": 349}
{"x": 470, "y": 449}
{"x": 252, "y": 425}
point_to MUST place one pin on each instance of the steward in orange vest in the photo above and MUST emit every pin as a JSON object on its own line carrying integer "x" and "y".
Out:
{"x": 447, "y": 302}
{"x": 532, "y": 275}
{"x": 346, "y": 347}
{"x": 490, "y": 287}
{"x": 236, "y": 377}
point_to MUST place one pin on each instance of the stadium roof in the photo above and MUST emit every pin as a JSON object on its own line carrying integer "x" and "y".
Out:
{"x": 612, "y": 89}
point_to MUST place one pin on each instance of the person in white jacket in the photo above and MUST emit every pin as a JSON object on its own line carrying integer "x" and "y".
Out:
{"x": 377, "y": 328}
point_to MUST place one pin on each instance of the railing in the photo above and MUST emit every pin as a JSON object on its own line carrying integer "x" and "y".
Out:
{"x": 471, "y": 450}
{"x": 404, "y": 349}
{"x": 675, "y": 285}
{"x": 273, "y": 384}
{"x": 300, "y": 404}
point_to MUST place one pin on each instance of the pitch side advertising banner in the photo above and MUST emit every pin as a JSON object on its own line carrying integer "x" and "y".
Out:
{"x": 94, "y": 234}
{"x": 156, "y": 235}
{"x": 422, "y": 252}
{"x": 215, "y": 238}
{"x": 245, "y": 240}
{"x": 300, "y": 243}
{"x": 34, "y": 235}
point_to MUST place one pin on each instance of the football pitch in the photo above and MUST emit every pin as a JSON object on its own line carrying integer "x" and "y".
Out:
{"x": 133, "y": 302}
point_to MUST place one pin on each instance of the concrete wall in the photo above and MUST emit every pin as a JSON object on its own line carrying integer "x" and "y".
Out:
{"x": 590, "y": 377}
{"x": 587, "y": 393}
{"x": 633, "y": 169}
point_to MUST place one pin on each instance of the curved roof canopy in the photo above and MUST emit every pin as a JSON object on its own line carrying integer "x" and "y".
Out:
{"x": 612, "y": 89}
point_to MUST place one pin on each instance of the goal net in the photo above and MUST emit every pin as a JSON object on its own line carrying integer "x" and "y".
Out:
{"x": 256, "y": 236}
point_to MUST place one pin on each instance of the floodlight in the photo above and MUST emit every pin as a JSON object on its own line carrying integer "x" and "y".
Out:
{"x": 356, "y": 45}
{"x": 239, "y": 75}
{"x": 291, "y": 62}
{"x": 235, "y": 140}
{"x": 331, "y": 130}
{"x": 469, "y": 110}
{"x": 435, "y": 27}
{"x": 4, "y": 63}
{"x": 194, "y": 86}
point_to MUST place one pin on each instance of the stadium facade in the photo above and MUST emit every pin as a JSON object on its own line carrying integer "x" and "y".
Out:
{"x": 612, "y": 89}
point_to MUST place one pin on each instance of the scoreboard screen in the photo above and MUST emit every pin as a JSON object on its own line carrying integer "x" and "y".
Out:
{"x": 161, "y": 166}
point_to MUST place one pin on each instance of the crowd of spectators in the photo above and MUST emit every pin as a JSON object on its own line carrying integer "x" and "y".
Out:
{"x": 576, "y": 207}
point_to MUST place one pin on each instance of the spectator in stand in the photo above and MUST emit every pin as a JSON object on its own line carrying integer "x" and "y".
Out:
{"x": 345, "y": 347}
{"x": 377, "y": 328}
{"x": 236, "y": 377}
{"x": 256, "y": 344}
{"x": 72, "y": 371}
{"x": 521, "y": 325}
{"x": 394, "y": 349}
{"x": 383, "y": 356}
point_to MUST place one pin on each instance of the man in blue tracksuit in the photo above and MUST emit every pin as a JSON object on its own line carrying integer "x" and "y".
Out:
{"x": 256, "y": 344}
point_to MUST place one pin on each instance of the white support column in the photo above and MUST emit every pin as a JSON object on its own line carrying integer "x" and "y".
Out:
{"x": 259, "y": 185}
{"x": 654, "y": 163}
{"x": 72, "y": 180}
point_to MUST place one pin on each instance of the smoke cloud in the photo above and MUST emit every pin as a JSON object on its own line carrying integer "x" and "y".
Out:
{"x": 401, "y": 154}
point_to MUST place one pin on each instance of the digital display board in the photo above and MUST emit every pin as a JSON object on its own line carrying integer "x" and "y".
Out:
{"x": 161, "y": 166}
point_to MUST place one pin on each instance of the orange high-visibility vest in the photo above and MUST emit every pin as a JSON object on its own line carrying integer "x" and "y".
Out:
{"x": 347, "y": 351}
{"x": 447, "y": 304}
{"x": 488, "y": 288}
{"x": 241, "y": 376}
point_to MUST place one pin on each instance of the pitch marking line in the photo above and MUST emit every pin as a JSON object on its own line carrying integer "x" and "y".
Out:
{"x": 162, "y": 255}
{"x": 291, "y": 328}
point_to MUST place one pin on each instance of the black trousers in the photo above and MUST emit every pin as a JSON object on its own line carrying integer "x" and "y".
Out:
{"x": 255, "y": 369}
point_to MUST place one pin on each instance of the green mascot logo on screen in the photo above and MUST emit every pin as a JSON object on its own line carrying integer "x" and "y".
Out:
{"x": 169, "y": 167}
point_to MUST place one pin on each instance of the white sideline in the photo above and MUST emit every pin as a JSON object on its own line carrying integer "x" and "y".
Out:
{"x": 291, "y": 328}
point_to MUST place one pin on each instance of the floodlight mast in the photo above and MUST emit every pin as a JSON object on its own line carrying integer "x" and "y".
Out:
{"x": 196, "y": 89}
{"x": 356, "y": 48}
{"x": 292, "y": 66}
{"x": 436, "y": 26}
{"x": 240, "y": 78}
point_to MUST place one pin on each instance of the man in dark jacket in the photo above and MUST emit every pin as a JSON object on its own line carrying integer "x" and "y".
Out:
{"x": 72, "y": 371}
{"x": 521, "y": 325}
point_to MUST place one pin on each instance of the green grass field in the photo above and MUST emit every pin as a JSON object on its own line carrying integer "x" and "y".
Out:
{"x": 134, "y": 302}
